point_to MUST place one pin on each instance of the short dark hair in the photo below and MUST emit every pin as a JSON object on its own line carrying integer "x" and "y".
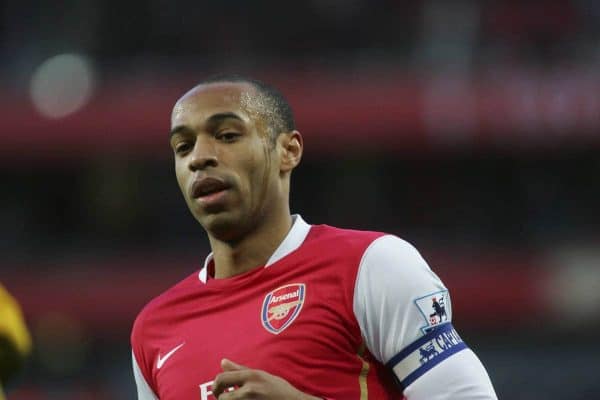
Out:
{"x": 279, "y": 117}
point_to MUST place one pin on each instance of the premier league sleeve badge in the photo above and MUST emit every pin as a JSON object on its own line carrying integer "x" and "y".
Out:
{"x": 435, "y": 308}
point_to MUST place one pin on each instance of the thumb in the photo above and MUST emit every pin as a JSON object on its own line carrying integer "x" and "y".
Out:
{"x": 228, "y": 365}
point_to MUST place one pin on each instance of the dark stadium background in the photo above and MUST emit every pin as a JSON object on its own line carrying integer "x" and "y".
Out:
{"x": 469, "y": 128}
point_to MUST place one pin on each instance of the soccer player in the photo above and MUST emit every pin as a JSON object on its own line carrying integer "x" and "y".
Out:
{"x": 283, "y": 309}
{"x": 15, "y": 341}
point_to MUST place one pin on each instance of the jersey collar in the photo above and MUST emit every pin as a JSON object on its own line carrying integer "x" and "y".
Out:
{"x": 291, "y": 242}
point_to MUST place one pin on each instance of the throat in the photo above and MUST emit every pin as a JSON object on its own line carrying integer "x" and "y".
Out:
{"x": 253, "y": 251}
{"x": 229, "y": 263}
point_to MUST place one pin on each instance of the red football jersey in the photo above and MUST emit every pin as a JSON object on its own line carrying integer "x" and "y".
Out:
{"x": 293, "y": 319}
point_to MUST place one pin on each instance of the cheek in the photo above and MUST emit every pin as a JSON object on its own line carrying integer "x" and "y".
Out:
{"x": 261, "y": 165}
{"x": 251, "y": 177}
{"x": 252, "y": 167}
{"x": 180, "y": 176}
{"x": 262, "y": 174}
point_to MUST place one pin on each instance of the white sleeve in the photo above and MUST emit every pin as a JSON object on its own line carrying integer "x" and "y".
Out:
{"x": 143, "y": 389}
{"x": 461, "y": 376}
{"x": 404, "y": 313}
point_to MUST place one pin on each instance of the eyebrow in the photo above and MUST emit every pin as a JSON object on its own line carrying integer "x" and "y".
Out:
{"x": 214, "y": 119}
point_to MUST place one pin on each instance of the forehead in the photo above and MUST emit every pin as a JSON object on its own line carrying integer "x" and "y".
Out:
{"x": 202, "y": 101}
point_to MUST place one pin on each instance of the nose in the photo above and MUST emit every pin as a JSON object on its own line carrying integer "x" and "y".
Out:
{"x": 203, "y": 156}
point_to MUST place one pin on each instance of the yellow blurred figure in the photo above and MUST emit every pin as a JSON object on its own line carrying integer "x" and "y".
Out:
{"x": 15, "y": 341}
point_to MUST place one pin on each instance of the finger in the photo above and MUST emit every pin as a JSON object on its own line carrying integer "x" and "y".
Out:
{"x": 231, "y": 395}
{"x": 228, "y": 379}
{"x": 246, "y": 392}
{"x": 228, "y": 365}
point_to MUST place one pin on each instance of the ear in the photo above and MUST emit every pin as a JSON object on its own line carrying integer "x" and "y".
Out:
{"x": 290, "y": 146}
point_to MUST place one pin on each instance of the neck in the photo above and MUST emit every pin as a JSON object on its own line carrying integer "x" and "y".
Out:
{"x": 253, "y": 250}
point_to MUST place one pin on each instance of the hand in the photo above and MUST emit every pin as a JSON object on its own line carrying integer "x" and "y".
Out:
{"x": 253, "y": 384}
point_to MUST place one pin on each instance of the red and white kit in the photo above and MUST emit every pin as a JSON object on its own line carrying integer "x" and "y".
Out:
{"x": 339, "y": 314}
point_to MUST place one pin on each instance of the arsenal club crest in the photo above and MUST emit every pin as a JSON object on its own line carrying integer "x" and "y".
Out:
{"x": 281, "y": 307}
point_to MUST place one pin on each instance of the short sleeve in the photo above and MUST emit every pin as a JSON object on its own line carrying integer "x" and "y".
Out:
{"x": 397, "y": 297}
{"x": 405, "y": 316}
{"x": 143, "y": 389}
{"x": 403, "y": 310}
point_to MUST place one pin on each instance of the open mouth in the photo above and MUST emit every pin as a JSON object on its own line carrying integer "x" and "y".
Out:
{"x": 207, "y": 187}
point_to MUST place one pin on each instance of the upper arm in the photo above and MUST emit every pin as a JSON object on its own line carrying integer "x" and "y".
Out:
{"x": 404, "y": 312}
{"x": 140, "y": 360}
{"x": 461, "y": 376}
{"x": 143, "y": 388}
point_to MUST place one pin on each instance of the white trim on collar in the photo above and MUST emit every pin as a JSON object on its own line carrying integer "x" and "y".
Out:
{"x": 292, "y": 241}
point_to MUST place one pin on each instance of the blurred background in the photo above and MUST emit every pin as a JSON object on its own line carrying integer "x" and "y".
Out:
{"x": 469, "y": 128}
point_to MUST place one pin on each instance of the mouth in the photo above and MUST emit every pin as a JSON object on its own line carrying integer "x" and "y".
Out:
{"x": 208, "y": 187}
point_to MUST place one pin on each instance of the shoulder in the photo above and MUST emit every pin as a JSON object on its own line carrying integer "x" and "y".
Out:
{"x": 393, "y": 264}
{"x": 368, "y": 245}
{"x": 343, "y": 238}
{"x": 156, "y": 309}
{"x": 390, "y": 252}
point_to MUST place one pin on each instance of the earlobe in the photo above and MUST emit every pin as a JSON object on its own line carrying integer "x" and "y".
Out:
{"x": 291, "y": 150}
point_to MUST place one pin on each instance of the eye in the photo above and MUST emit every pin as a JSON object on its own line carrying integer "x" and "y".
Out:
{"x": 182, "y": 147}
{"x": 227, "y": 136}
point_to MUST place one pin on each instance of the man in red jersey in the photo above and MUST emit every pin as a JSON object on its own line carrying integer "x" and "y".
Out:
{"x": 283, "y": 309}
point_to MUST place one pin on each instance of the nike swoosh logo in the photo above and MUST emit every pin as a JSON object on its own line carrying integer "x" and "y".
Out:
{"x": 161, "y": 360}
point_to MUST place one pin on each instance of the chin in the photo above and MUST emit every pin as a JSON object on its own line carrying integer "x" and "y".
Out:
{"x": 224, "y": 226}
